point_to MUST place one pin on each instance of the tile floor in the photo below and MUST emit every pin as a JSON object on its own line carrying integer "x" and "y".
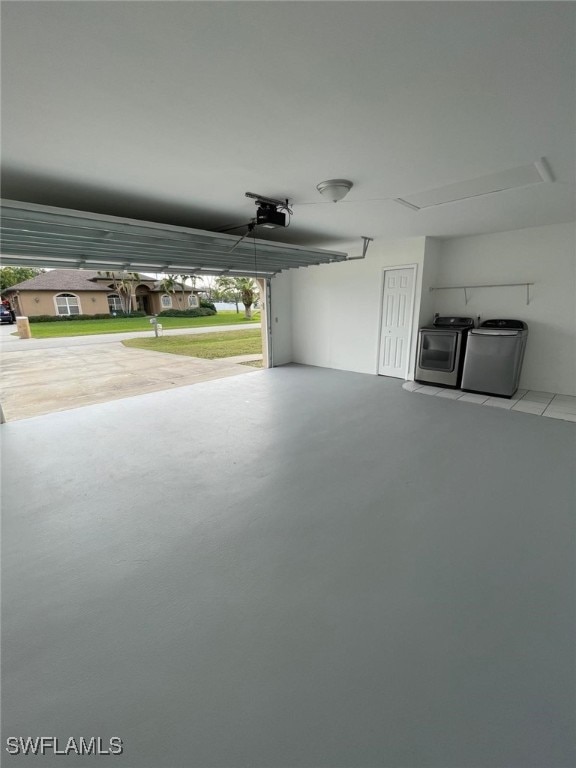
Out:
{"x": 528, "y": 401}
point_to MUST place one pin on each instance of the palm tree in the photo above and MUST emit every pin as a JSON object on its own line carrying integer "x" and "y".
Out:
{"x": 123, "y": 283}
{"x": 168, "y": 284}
{"x": 237, "y": 289}
{"x": 182, "y": 284}
{"x": 226, "y": 290}
{"x": 183, "y": 279}
{"x": 248, "y": 293}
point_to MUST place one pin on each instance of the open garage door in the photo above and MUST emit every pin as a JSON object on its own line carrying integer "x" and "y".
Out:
{"x": 48, "y": 237}
{"x": 42, "y": 236}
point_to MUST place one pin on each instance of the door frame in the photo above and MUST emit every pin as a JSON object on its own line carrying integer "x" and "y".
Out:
{"x": 144, "y": 300}
{"x": 414, "y": 267}
{"x": 267, "y": 312}
{"x": 266, "y": 320}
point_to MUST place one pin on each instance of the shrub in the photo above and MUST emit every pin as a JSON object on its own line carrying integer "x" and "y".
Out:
{"x": 204, "y": 304}
{"x": 135, "y": 313}
{"x": 59, "y": 318}
{"x": 200, "y": 312}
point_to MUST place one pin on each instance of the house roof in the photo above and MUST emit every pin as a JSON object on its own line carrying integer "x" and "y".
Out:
{"x": 84, "y": 280}
{"x": 63, "y": 280}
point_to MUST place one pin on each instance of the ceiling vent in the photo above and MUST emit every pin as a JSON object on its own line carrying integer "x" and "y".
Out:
{"x": 513, "y": 178}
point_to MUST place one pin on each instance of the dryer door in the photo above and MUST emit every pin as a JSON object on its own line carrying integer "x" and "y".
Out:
{"x": 437, "y": 350}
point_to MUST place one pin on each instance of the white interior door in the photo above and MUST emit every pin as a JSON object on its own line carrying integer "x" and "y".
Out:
{"x": 396, "y": 329}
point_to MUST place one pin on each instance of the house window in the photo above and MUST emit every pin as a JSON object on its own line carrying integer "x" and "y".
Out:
{"x": 166, "y": 301}
{"x": 67, "y": 304}
{"x": 193, "y": 300}
{"x": 114, "y": 303}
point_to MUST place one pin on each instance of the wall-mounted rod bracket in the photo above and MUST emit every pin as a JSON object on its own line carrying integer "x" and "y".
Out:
{"x": 365, "y": 244}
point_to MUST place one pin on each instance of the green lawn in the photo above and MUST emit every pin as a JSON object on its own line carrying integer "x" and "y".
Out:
{"x": 125, "y": 324}
{"x": 207, "y": 345}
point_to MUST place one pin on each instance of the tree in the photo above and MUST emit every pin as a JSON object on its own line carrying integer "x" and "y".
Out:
{"x": 248, "y": 293}
{"x": 123, "y": 283}
{"x": 238, "y": 289}
{"x": 183, "y": 279}
{"x": 225, "y": 290}
{"x": 168, "y": 284}
{"x": 182, "y": 285}
{"x": 211, "y": 285}
{"x": 10, "y": 276}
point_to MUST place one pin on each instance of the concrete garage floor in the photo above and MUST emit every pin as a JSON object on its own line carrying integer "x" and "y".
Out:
{"x": 300, "y": 568}
{"x": 40, "y": 381}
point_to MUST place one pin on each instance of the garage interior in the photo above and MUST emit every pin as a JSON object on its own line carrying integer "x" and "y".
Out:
{"x": 305, "y": 566}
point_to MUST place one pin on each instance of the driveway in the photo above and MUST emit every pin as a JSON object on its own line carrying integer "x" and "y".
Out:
{"x": 39, "y": 377}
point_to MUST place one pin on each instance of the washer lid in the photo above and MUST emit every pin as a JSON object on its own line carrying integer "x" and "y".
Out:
{"x": 517, "y": 325}
{"x": 494, "y": 332}
{"x": 453, "y": 322}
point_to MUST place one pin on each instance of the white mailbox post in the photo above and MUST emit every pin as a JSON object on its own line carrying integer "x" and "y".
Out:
{"x": 157, "y": 326}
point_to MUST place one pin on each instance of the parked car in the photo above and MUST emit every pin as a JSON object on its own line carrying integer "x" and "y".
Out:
{"x": 6, "y": 315}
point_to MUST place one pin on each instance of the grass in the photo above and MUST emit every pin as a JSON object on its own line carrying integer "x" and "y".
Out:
{"x": 206, "y": 345}
{"x": 126, "y": 324}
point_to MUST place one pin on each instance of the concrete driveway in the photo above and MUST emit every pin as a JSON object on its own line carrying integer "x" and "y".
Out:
{"x": 45, "y": 376}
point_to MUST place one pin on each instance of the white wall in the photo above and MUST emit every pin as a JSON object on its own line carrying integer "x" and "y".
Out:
{"x": 432, "y": 252}
{"x": 543, "y": 255}
{"x": 329, "y": 315}
{"x": 281, "y": 316}
{"x": 336, "y": 308}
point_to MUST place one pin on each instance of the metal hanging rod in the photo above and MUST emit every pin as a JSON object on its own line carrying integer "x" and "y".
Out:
{"x": 466, "y": 288}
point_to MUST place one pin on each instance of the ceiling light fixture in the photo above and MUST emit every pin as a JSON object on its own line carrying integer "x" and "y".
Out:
{"x": 335, "y": 189}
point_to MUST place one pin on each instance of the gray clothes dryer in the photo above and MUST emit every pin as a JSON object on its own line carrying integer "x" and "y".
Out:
{"x": 494, "y": 356}
{"x": 441, "y": 349}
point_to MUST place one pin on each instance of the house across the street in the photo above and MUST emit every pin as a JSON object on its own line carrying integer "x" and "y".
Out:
{"x": 87, "y": 292}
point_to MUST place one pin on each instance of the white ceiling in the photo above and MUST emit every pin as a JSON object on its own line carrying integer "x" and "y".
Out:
{"x": 171, "y": 111}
